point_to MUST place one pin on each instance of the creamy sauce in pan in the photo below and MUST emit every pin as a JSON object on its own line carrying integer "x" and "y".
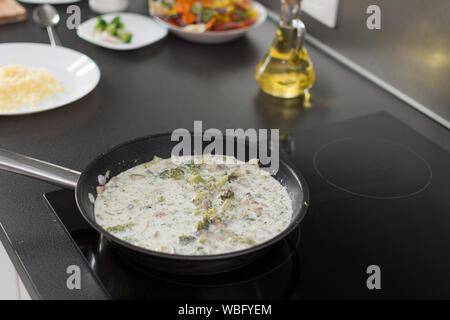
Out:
{"x": 194, "y": 209}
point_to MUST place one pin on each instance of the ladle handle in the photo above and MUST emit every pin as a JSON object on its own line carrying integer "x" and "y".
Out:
{"x": 54, "y": 39}
{"x": 41, "y": 170}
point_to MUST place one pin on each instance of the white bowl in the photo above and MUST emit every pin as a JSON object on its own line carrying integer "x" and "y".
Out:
{"x": 217, "y": 36}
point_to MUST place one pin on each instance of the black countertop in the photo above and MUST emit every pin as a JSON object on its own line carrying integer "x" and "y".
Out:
{"x": 159, "y": 88}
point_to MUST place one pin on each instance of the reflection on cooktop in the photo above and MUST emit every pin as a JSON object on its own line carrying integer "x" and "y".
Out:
{"x": 272, "y": 276}
{"x": 373, "y": 168}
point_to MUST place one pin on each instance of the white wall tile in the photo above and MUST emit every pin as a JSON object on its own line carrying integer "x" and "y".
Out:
{"x": 9, "y": 286}
{"x": 23, "y": 293}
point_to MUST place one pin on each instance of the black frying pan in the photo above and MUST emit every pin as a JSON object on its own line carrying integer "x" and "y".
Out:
{"x": 133, "y": 153}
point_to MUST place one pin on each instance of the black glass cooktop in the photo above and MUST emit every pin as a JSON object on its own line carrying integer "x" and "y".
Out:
{"x": 380, "y": 195}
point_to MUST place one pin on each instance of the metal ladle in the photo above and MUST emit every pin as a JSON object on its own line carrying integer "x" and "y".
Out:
{"x": 47, "y": 16}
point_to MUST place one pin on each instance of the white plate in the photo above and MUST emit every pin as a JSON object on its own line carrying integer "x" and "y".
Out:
{"x": 145, "y": 31}
{"x": 49, "y": 1}
{"x": 218, "y": 36}
{"x": 78, "y": 73}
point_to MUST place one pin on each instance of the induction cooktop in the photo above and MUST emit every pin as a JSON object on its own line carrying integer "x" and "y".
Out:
{"x": 380, "y": 195}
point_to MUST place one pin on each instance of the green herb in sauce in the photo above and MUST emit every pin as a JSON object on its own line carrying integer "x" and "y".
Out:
{"x": 175, "y": 173}
{"x": 228, "y": 194}
{"x": 184, "y": 240}
{"x": 120, "y": 227}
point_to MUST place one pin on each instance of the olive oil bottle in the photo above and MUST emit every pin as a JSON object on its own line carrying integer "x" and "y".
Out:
{"x": 286, "y": 70}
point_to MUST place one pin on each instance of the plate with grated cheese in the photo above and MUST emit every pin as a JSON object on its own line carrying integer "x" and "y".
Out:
{"x": 37, "y": 77}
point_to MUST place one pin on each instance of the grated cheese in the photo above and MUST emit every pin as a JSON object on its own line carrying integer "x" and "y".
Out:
{"x": 21, "y": 86}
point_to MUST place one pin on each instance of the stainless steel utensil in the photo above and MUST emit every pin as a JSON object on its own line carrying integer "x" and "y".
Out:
{"x": 47, "y": 16}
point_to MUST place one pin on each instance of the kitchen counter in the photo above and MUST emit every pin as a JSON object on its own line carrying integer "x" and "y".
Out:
{"x": 159, "y": 88}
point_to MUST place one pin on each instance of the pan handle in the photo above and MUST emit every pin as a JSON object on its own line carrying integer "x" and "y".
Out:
{"x": 41, "y": 170}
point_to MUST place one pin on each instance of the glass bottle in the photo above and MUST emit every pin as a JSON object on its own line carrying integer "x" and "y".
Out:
{"x": 286, "y": 70}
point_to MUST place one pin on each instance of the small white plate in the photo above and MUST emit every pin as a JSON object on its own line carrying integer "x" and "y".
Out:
{"x": 145, "y": 31}
{"x": 218, "y": 36}
{"x": 78, "y": 73}
{"x": 49, "y": 1}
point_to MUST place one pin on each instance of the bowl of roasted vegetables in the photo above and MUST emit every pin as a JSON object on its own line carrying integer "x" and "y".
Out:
{"x": 208, "y": 21}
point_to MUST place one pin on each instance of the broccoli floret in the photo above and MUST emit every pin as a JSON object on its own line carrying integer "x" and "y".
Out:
{"x": 112, "y": 30}
{"x": 116, "y": 21}
{"x": 101, "y": 24}
{"x": 124, "y": 36}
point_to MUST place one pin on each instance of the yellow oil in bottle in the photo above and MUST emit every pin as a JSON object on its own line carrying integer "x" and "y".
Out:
{"x": 286, "y": 71}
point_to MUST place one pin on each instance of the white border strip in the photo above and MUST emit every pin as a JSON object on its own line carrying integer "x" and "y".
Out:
{"x": 368, "y": 75}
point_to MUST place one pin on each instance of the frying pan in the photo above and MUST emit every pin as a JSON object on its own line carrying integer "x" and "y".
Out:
{"x": 141, "y": 150}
